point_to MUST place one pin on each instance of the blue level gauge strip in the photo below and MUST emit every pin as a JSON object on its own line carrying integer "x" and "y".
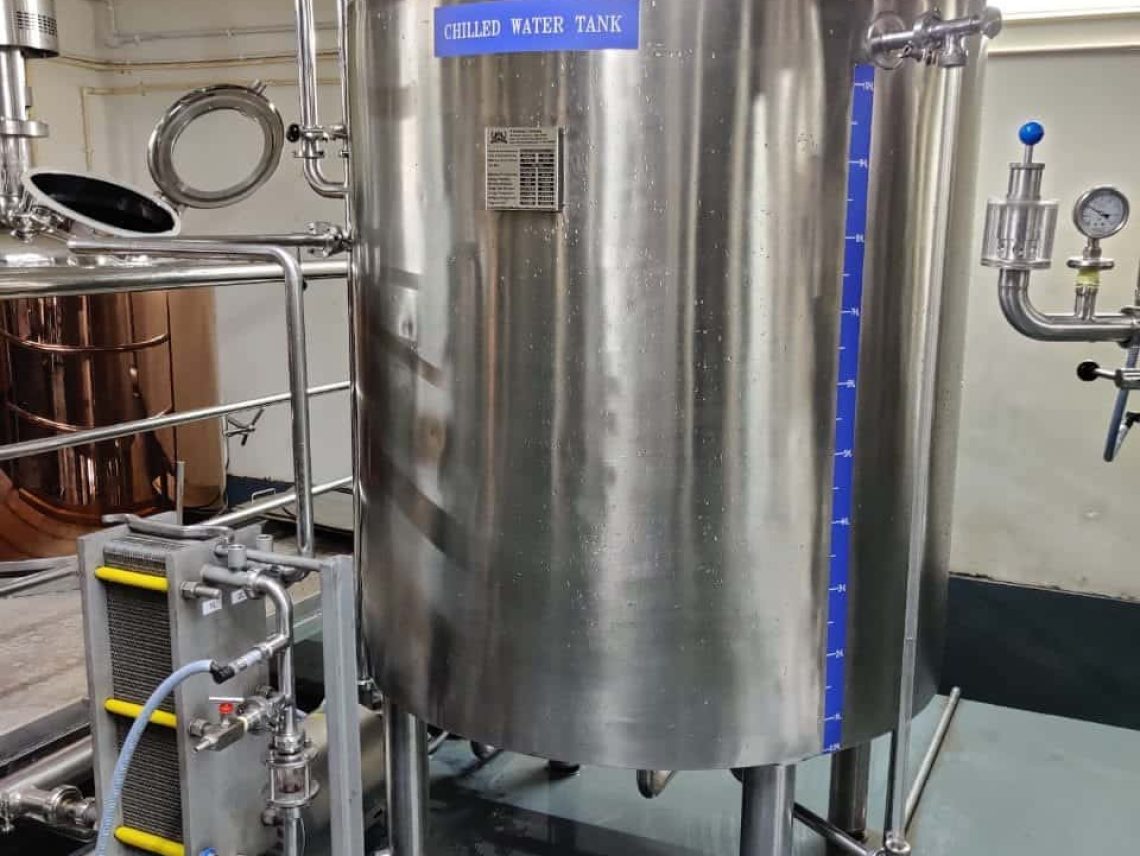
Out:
{"x": 850, "y": 324}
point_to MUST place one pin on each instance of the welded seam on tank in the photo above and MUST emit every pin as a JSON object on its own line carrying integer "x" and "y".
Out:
{"x": 850, "y": 330}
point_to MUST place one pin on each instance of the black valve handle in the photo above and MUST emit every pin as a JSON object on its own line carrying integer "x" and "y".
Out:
{"x": 1089, "y": 371}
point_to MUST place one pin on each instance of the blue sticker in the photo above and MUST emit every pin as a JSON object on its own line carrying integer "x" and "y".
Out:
{"x": 537, "y": 26}
{"x": 850, "y": 333}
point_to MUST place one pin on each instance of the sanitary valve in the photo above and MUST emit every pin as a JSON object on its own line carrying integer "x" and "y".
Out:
{"x": 1020, "y": 228}
{"x": 238, "y": 717}
{"x": 932, "y": 39}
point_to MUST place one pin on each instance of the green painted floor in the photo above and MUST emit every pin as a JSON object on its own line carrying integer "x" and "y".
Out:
{"x": 1008, "y": 783}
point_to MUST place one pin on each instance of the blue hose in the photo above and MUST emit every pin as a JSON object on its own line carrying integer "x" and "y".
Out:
{"x": 111, "y": 798}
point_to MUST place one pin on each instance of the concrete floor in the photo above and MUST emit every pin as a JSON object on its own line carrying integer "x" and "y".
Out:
{"x": 1008, "y": 783}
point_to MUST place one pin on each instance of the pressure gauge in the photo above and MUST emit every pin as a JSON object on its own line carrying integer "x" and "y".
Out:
{"x": 1101, "y": 212}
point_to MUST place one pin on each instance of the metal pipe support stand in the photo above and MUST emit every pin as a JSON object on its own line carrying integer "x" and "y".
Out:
{"x": 850, "y": 780}
{"x": 407, "y": 759}
{"x": 769, "y": 798}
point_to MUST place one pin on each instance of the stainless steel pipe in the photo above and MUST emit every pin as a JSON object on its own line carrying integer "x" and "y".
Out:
{"x": 64, "y": 808}
{"x": 153, "y": 423}
{"x": 837, "y": 840}
{"x": 920, "y": 450}
{"x": 1028, "y": 320}
{"x": 15, "y": 149}
{"x": 840, "y": 842}
{"x": 330, "y": 239}
{"x": 43, "y": 791}
{"x": 61, "y": 767}
{"x": 293, "y": 276}
{"x": 289, "y": 733}
{"x": 932, "y": 752}
{"x": 258, "y": 509}
{"x": 66, "y": 280}
{"x": 407, "y": 759}
{"x": 279, "y": 559}
{"x": 311, "y": 152}
{"x": 342, "y": 712}
{"x": 850, "y": 780}
{"x": 768, "y": 802}
{"x": 282, "y": 639}
{"x": 38, "y": 579}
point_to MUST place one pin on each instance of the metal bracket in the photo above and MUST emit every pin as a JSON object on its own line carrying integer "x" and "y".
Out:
{"x": 932, "y": 39}
{"x": 236, "y": 428}
{"x": 27, "y": 128}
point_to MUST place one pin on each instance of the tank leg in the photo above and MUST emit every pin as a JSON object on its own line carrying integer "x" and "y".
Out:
{"x": 406, "y": 744}
{"x": 766, "y": 813}
{"x": 850, "y": 777}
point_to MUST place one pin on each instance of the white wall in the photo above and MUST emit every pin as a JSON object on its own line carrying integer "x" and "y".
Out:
{"x": 1038, "y": 7}
{"x": 1035, "y": 503}
{"x": 102, "y": 99}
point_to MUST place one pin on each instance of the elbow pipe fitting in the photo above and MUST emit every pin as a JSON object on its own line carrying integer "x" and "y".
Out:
{"x": 319, "y": 182}
{"x": 1023, "y": 316}
{"x": 280, "y": 642}
{"x": 311, "y": 152}
{"x": 262, "y": 585}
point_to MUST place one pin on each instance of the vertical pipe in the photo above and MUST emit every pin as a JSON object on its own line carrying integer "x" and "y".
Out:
{"x": 766, "y": 813}
{"x": 180, "y": 492}
{"x": 291, "y": 844}
{"x": 922, "y": 431}
{"x": 365, "y": 683}
{"x": 299, "y": 398}
{"x": 13, "y": 84}
{"x": 15, "y": 151}
{"x": 306, "y": 64}
{"x": 1084, "y": 306}
{"x": 338, "y": 632}
{"x": 407, "y": 759}
{"x": 311, "y": 152}
{"x": 850, "y": 777}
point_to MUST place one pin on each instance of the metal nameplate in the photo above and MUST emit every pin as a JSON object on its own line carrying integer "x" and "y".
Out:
{"x": 524, "y": 169}
{"x": 537, "y": 26}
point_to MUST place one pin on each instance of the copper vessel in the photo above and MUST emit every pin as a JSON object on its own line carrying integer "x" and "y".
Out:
{"x": 83, "y": 362}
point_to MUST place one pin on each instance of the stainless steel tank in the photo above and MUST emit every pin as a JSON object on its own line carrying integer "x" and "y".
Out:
{"x": 618, "y": 315}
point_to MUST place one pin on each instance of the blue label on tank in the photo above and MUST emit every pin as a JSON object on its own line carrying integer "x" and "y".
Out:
{"x": 535, "y": 26}
{"x": 850, "y": 328}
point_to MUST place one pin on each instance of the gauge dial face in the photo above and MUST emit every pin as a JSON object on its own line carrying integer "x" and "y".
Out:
{"x": 1101, "y": 212}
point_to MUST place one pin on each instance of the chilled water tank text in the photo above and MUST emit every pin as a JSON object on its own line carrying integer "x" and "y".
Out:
{"x": 535, "y": 26}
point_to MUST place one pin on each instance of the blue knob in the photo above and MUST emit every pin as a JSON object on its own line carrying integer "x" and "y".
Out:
{"x": 1031, "y": 133}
